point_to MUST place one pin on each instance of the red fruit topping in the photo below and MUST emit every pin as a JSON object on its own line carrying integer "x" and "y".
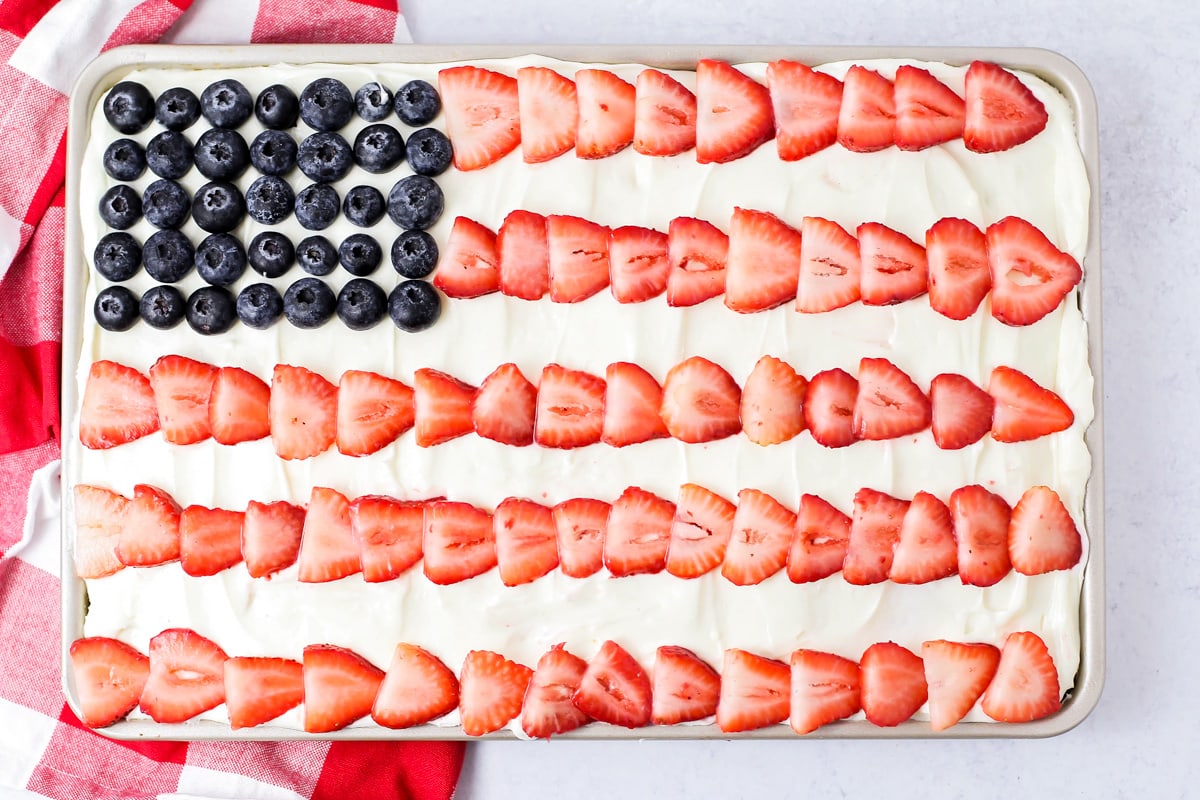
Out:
{"x": 700, "y": 532}
{"x": 328, "y": 548}
{"x": 927, "y": 550}
{"x": 109, "y": 676}
{"x": 570, "y": 408}
{"x": 524, "y": 255}
{"x": 388, "y": 533}
{"x": 733, "y": 113}
{"x": 303, "y": 411}
{"x": 956, "y": 674}
{"x": 830, "y": 267}
{"x": 458, "y": 542}
{"x": 819, "y": 546}
{"x": 418, "y": 688}
{"x": 491, "y": 691}
{"x": 483, "y": 118}
{"x": 578, "y": 258}
{"x": 372, "y": 412}
{"x": 340, "y": 687}
{"x": 258, "y": 690}
{"x": 1001, "y": 112}
{"x": 181, "y": 390}
{"x": 469, "y": 264}
{"x": 548, "y": 707}
{"x": 238, "y": 407}
{"x": 632, "y": 399}
{"x": 1025, "y": 687}
{"x": 1024, "y": 410}
{"x": 825, "y": 688}
{"x": 806, "y": 105}
{"x": 526, "y": 540}
{"x": 685, "y": 688}
{"x": 606, "y": 113}
{"x": 637, "y": 263}
{"x": 1042, "y": 537}
{"x": 187, "y": 676}
{"x": 638, "y": 533}
{"x": 697, "y": 251}
{"x": 271, "y": 536}
{"x": 959, "y": 274}
{"x": 981, "y": 528}
{"x": 763, "y": 266}
{"x": 615, "y": 689}
{"x": 210, "y": 540}
{"x": 1030, "y": 276}
{"x": 894, "y": 268}
{"x": 755, "y": 692}
{"x": 99, "y": 518}
{"x": 118, "y": 406}
{"x": 581, "y": 524}
{"x": 829, "y": 408}
{"x": 443, "y": 407}
{"x": 962, "y": 412}
{"x": 874, "y": 534}
{"x": 548, "y": 112}
{"x": 503, "y": 408}
{"x": 701, "y": 402}
{"x": 664, "y": 115}
{"x": 889, "y": 404}
{"x": 150, "y": 533}
{"x": 773, "y": 402}
{"x": 893, "y": 684}
{"x": 762, "y": 536}
{"x": 928, "y": 112}
{"x": 867, "y": 118}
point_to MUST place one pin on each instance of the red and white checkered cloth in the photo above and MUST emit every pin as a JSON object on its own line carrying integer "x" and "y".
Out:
{"x": 43, "y": 748}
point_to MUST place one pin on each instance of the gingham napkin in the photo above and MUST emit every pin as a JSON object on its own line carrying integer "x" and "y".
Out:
{"x": 44, "y": 751}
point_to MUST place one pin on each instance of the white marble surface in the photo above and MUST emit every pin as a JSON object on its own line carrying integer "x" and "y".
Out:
{"x": 1143, "y": 60}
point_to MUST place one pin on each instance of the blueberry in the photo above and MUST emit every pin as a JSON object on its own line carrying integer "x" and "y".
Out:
{"x": 316, "y": 255}
{"x": 360, "y": 254}
{"x": 415, "y": 202}
{"x": 168, "y": 256}
{"x": 271, "y": 254}
{"x": 169, "y": 155}
{"x": 417, "y": 103}
{"x": 221, "y": 155}
{"x": 259, "y": 306}
{"x": 277, "y": 107}
{"x": 269, "y": 200}
{"x": 210, "y": 310}
{"x": 363, "y": 206}
{"x": 378, "y": 148}
{"x": 116, "y": 308}
{"x": 373, "y": 101}
{"x": 361, "y": 304}
{"x": 124, "y": 160}
{"x": 220, "y": 259}
{"x": 120, "y": 207}
{"x": 162, "y": 307}
{"x": 317, "y": 206}
{"x": 324, "y": 157}
{"x": 166, "y": 204}
{"x": 429, "y": 152}
{"x": 326, "y": 104}
{"x": 226, "y": 103}
{"x": 308, "y": 303}
{"x": 218, "y": 207}
{"x": 414, "y": 254}
{"x": 129, "y": 107}
{"x": 177, "y": 109}
{"x": 117, "y": 256}
{"x": 273, "y": 153}
{"x": 414, "y": 305}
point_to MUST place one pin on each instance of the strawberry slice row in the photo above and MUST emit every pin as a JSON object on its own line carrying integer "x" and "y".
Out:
{"x": 187, "y": 674}
{"x": 763, "y": 263}
{"x": 976, "y": 536}
{"x": 598, "y": 114}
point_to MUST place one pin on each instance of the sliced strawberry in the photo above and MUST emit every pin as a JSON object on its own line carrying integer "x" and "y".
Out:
{"x": 755, "y": 692}
{"x": 372, "y": 411}
{"x": 469, "y": 265}
{"x": 961, "y": 411}
{"x": 258, "y": 690}
{"x": 418, "y": 688}
{"x": 764, "y": 261}
{"x": 762, "y": 536}
{"x": 483, "y": 116}
{"x": 829, "y": 408}
{"x": 664, "y": 121}
{"x": 581, "y": 524}
{"x": 1042, "y": 537}
{"x": 874, "y": 534}
{"x": 928, "y": 112}
{"x": 328, "y": 548}
{"x": 526, "y": 540}
{"x": 1030, "y": 276}
{"x": 697, "y": 251}
{"x": 959, "y": 274}
{"x": 99, "y": 518}
{"x": 825, "y": 688}
{"x": 491, "y": 691}
{"x": 701, "y": 402}
{"x": 1024, "y": 410}
{"x": 109, "y": 676}
{"x": 388, "y": 533}
{"x": 820, "y": 542}
{"x": 187, "y": 676}
{"x": 210, "y": 540}
{"x": 150, "y": 533}
{"x": 181, "y": 390}
{"x": 867, "y": 118}
{"x": 632, "y": 399}
{"x": 570, "y": 408}
{"x": 981, "y": 528}
{"x": 340, "y": 687}
{"x": 638, "y": 533}
{"x": 118, "y": 406}
{"x": 1025, "y": 686}
{"x": 548, "y": 112}
{"x": 303, "y": 412}
{"x": 615, "y": 689}
{"x": 927, "y": 550}
{"x": 700, "y": 532}
{"x": 956, "y": 674}
{"x": 685, "y": 688}
{"x": 524, "y": 255}
{"x": 773, "y": 402}
{"x": 442, "y": 407}
{"x": 548, "y": 709}
{"x": 894, "y": 268}
{"x": 238, "y": 407}
{"x": 637, "y": 263}
{"x": 271, "y": 534}
{"x": 893, "y": 684}
{"x": 606, "y": 113}
{"x": 578, "y": 258}
{"x": 830, "y": 267}
{"x": 806, "y": 104}
{"x": 889, "y": 404}
{"x": 733, "y": 113}
{"x": 457, "y": 541}
{"x": 1001, "y": 112}
{"x": 504, "y": 407}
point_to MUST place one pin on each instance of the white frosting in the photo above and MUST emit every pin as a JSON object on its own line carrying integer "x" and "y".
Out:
{"x": 1043, "y": 181}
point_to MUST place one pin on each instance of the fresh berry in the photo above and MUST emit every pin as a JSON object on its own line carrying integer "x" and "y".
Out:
{"x": 389, "y": 533}
{"x": 1024, "y": 410}
{"x": 220, "y": 259}
{"x": 128, "y": 107}
{"x": 363, "y": 206}
{"x": 258, "y": 690}
{"x": 210, "y": 310}
{"x": 894, "y": 267}
{"x": 277, "y": 107}
{"x": 340, "y": 687}
{"x": 483, "y": 117}
{"x": 226, "y": 103}
{"x": 981, "y": 527}
{"x": 548, "y": 709}
{"x": 1001, "y": 112}
{"x": 458, "y": 542}
{"x": 177, "y": 109}
{"x": 1025, "y": 686}
{"x": 806, "y": 104}
{"x": 578, "y": 258}
{"x": 417, "y": 103}
{"x": 734, "y": 113}
{"x": 761, "y": 539}
{"x": 414, "y": 305}
{"x": 491, "y": 690}
{"x": 373, "y": 101}
{"x": 326, "y": 104}
{"x": 825, "y": 688}
{"x": 956, "y": 674}
{"x": 417, "y": 689}
{"x": 632, "y": 400}
{"x": 830, "y": 268}
{"x": 378, "y": 148}
{"x": 259, "y": 306}
{"x": 361, "y": 304}
{"x": 821, "y": 538}
{"x": 874, "y": 534}
{"x": 360, "y": 254}
{"x": 468, "y": 267}
{"x": 638, "y": 266}
{"x": 606, "y": 113}
{"x": 317, "y": 206}
{"x": 685, "y": 688}
{"x": 210, "y": 540}
{"x": 187, "y": 676}
{"x": 303, "y": 412}
{"x": 755, "y": 692}
{"x": 181, "y": 389}
{"x": 962, "y": 412}
{"x": 582, "y": 524}
{"x": 959, "y": 275}
{"x": 1030, "y": 276}
{"x": 548, "y": 111}
{"x": 271, "y": 535}
{"x": 429, "y": 152}
{"x": 764, "y": 261}
{"x": 109, "y": 676}
{"x": 162, "y": 307}
{"x": 99, "y": 518}
{"x": 526, "y": 540}
{"x": 324, "y": 157}
{"x": 169, "y": 155}
{"x": 116, "y": 308}
{"x": 271, "y": 254}
{"x": 118, "y": 406}
{"x": 893, "y": 684}
{"x": 309, "y": 303}
{"x": 867, "y": 118}
{"x": 316, "y": 255}
{"x": 928, "y": 112}
{"x": 889, "y": 405}
{"x": 238, "y": 406}
{"x": 570, "y": 408}
{"x": 269, "y": 200}
{"x": 615, "y": 689}
{"x": 701, "y": 402}
{"x": 117, "y": 256}
{"x": 926, "y": 550}
{"x": 524, "y": 255}
{"x": 124, "y": 160}
{"x": 443, "y": 407}
{"x": 414, "y": 254}
{"x": 638, "y": 533}
{"x": 372, "y": 411}
{"x": 664, "y": 121}
{"x": 328, "y": 549}
{"x": 166, "y": 204}
{"x": 829, "y": 408}
{"x": 218, "y": 207}
{"x": 504, "y": 407}
{"x": 700, "y": 532}
{"x": 168, "y": 256}
{"x": 415, "y": 202}
{"x": 221, "y": 155}
{"x": 120, "y": 207}
{"x": 1042, "y": 537}
{"x": 772, "y": 409}
{"x": 697, "y": 251}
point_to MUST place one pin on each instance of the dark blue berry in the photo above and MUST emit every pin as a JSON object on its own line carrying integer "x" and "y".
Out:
{"x": 414, "y": 305}
{"x": 373, "y": 101}
{"x": 360, "y": 254}
{"x": 162, "y": 307}
{"x": 117, "y": 256}
{"x": 317, "y": 206}
{"x": 124, "y": 160}
{"x": 129, "y": 107}
{"x": 429, "y": 152}
{"x": 417, "y": 103}
{"x": 120, "y": 207}
{"x": 363, "y": 206}
{"x": 116, "y": 308}
{"x": 414, "y": 254}
{"x": 326, "y": 104}
{"x": 378, "y": 148}
{"x": 273, "y": 153}
{"x": 226, "y": 103}
{"x": 415, "y": 202}
{"x": 324, "y": 157}
{"x": 269, "y": 200}
{"x": 271, "y": 254}
{"x": 177, "y": 109}
{"x": 221, "y": 155}
{"x": 220, "y": 260}
{"x": 259, "y": 306}
{"x": 277, "y": 107}
{"x": 169, "y": 155}
{"x": 316, "y": 255}
{"x": 166, "y": 204}
{"x": 361, "y": 304}
{"x": 218, "y": 207}
{"x": 211, "y": 310}
{"x": 308, "y": 303}
{"x": 168, "y": 256}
